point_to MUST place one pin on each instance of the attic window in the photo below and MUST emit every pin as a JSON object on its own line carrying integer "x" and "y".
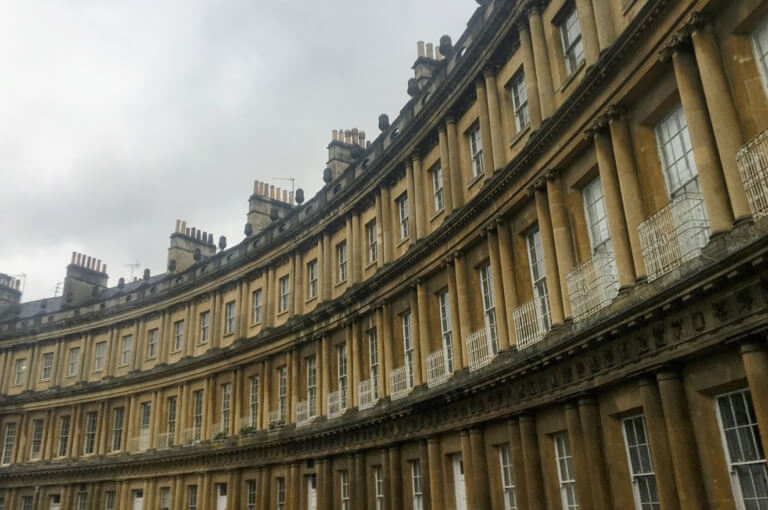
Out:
{"x": 395, "y": 134}
{"x": 462, "y": 52}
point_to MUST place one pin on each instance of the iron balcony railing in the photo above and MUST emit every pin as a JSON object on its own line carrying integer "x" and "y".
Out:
{"x": 480, "y": 351}
{"x": 276, "y": 418}
{"x": 753, "y": 167}
{"x": 592, "y": 285}
{"x": 246, "y": 422}
{"x": 335, "y": 405}
{"x": 164, "y": 440}
{"x": 398, "y": 383}
{"x": 139, "y": 443}
{"x": 191, "y": 436}
{"x": 302, "y": 413}
{"x": 531, "y": 322}
{"x": 218, "y": 428}
{"x": 365, "y": 395}
{"x": 437, "y": 368}
{"x": 674, "y": 235}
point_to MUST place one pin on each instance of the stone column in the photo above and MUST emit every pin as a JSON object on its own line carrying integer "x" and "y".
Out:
{"x": 462, "y": 291}
{"x": 418, "y": 356}
{"x": 325, "y": 376}
{"x": 541, "y": 62}
{"x": 298, "y": 283}
{"x": 379, "y": 231}
{"x": 453, "y": 294}
{"x": 234, "y": 489}
{"x": 617, "y": 226}
{"x": 387, "y": 235}
{"x": 606, "y": 33}
{"x": 386, "y": 340}
{"x": 351, "y": 352}
{"x": 350, "y": 240}
{"x": 494, "y": 115}
{"x": 722, "y": 111}
{"x": 507, "y": 265}
{"x": 454, "y": 165}
{"x": 588, "y": 31}
{"x": 445, "y": 167}
{"x": 395, "y": 478}
{"x": 685, "y": 458}
{"x": 518, "y": 466}
{"x": 580, "y": 464}
{"x": 322, "y": 291}
{"x": 419, "y": 197}
{"x": 266, "y": 388}
{"x": 413, "y": 229}
{"x": 327, "y": 266}
{"x": 531, "y": 84}
{"x": 469, "y": 469}
{"x": 359, "y": 490}
{"x": 589, "y": 414}
{"x": 356, "y": 253}
{"x": 626, "y": 171}
{"x": 498, "y": 290}
{"x": 532, "y": 461}
{"x": 659, "y": 445}
{"x": 562, "y": 236}
{"x": 357, "y": 362}
{"x": 485, "y": 128}
{"x": 425, "y": 344}
{"x": 383, "y": 382}
{"x": 266, "y": 486}
{"x": 480, "y": 470}
{"x": 435, "y": 473}
{"x": 294, "y": 491}
{"x": 755, "y": 359}
{"x": 704, "y": 146}
{"x": 550, "y": 261}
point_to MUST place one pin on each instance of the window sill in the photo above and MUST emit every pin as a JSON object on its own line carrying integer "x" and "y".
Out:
{"x": 255, "y": 324}
{"x": 437, "y": 214}
{"x": 370, "y": 264}
{"x": 572, "y": 77}
{"x": 402, "y": 242}
{"x": 45, "y": 380}
{"x": 280, "y": 314}
{"x": 176, "y": 351}
{"x": 98, "y": 371}
{"x": 151, "y": 358}
{"x": 310, "y": 300}
{"x": 519, "y": 136}
{"x": 123, "y": 365}
{"x": 340, "y": 284}
{"x": 475, "y": 180}
{"x": 70, "y": 376}
{"x": 225, "y": 335}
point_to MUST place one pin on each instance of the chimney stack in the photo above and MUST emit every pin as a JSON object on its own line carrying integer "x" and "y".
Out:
{"x": 86, "y": 278}
{"x": 185, "y": 241}
{"x": 267, "y": 199}
{"x": 10, "y": 292}
{"x": 427, "y": 59}
{"x": 345, "y": 146}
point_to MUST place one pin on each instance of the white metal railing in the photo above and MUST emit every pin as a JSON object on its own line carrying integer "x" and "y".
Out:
{"x": 531, "y": 322}
{"x": 164, "y": 440}
{"x": 191, "y": 436}
{"x": 398, "y": 383}
{"x": 219, "y": 428}
{"x": 674, "y": 235}
{"x": 479, "y": 349}
{"x": 592, "y": 285}
{"x": 245, "y": 423}
{"x": 276, "y": 419}
{"x": 437, "y": 368}
{"x": 302, "y": 413}
{"x": 365, "y": 397}
{"x": 335, "y": 407}
{"x": 139, "y": 443}
{"x": 753, "y": 167}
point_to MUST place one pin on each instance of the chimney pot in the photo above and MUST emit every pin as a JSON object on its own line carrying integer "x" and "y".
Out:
{"x": 74, "y": 255}
{"x": 430, "y": 51}
{"x": 420, "y": 48}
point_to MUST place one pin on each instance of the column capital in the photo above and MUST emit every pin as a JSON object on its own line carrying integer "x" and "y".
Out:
{"x": 526, "y": 418}
{"x": 667, "y": 374}
{"x": 598, "y": 125}
{"x": 521, "y": 23}
{"x": 490, "y": 71}
{"x": 532, "y": 7}
{"x": 752, "y": 344}
{"x": 614, "y": 112}
{"x": 677, "y": 42}
{"x": 449, "y": 119}
{"x": 415, "y": 155}
{"x": 551, "y": 174}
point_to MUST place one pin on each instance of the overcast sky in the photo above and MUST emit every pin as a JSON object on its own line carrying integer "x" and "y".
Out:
{"x": 119, "y": 116}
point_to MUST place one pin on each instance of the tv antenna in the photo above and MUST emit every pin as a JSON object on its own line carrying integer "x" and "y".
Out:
{"x": 133, "y": 266}
{"x": 57, "y": 288}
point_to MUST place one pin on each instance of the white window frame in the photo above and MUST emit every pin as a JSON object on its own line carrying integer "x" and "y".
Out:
{"x": 253, "y": 400}
{"x": 91, "y": 425}
{"x": 341, "y": 262}
{"x": 153, "y": 340}
{"x": 37, "y": 439}
{"x": 126, "y": 350}
{"x": 197, "y": 415}
{"x": 344, "y": 490}
{"x": 508, "y": 489}
{"x": 73, "y": 362}
{"x": 9, "y": 442}
{"x": 205, "y": 327}
{"x": 65, "y": 423}
{"x": 446, "y": 333}
{"x": 753, "y": 438}
{"x": 282, "y": 392}
{"x": 170, "y": 422}
{"x": 251, "y": 495}
{"x": 373, "y": 362}
{"x": 402, "y": 214}
{"x": 565, "y": 474}
{"x": 408, "y": 355}
{"x": 476, "y": 149}
{"x": 312, "y": 279}
{"x": 673, "y": 141}
{"x": 378, "y": 487}
{"x": 256, "y": 312}
{"x": 570, "y": 37}
{"x": 19, "y": 371}
{"x": 538, "y": 274}
{"x": 341, "y": 374}
{"x": 229, "y": 318}
{"x": 643, "y": 478}
{"x": 761, "y": 54}
{"x": 312, "y": 386}
{"x": 596, "y": 215}
{"x": 519, "y": 95}
{"x": 280, "y": 482}
{"x": 370, "y": 235}
{"x": 99, "y": 356}
{"x": 192, "y": 497}
{"x": 165, "y": 498}
{"x": 226, "y": 404}
{"x": 109, "y": 500}
{"x": 47, "y": 369}
{"x": 284, "y": 286}
{"x": 438, "y": 193}
{"x": 489, "y": 305}
{"x": 178, "y": 335}
{"x": 118, "y": 418}
{"x": 417, "y": 491}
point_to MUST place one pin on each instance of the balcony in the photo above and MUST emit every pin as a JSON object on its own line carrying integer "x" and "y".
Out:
{"x": 191, "y": 436}
{"x": 140, "y": 443}
{"x": 302, "y": 413}
{"x": 218, "y": 429}
{"x": 365, "y": 395}
{"x": 531, "y": 322}
{"x": 437, "y": 368}
{"x": 674, "y": 235}
{"x": 336, "y": 404}
{"x": 276, "y": 419}
{"x": 753, "y": 167}
{"x": 246, "y": 423}
{"x": 164, "y": 441}
{"x": 479, "y": 349}
{"x": 592, "y": 285}
{"x": 398, "y": 383}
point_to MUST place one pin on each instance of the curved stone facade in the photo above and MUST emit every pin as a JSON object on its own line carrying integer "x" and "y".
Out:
{"x": 542, "y": 286}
